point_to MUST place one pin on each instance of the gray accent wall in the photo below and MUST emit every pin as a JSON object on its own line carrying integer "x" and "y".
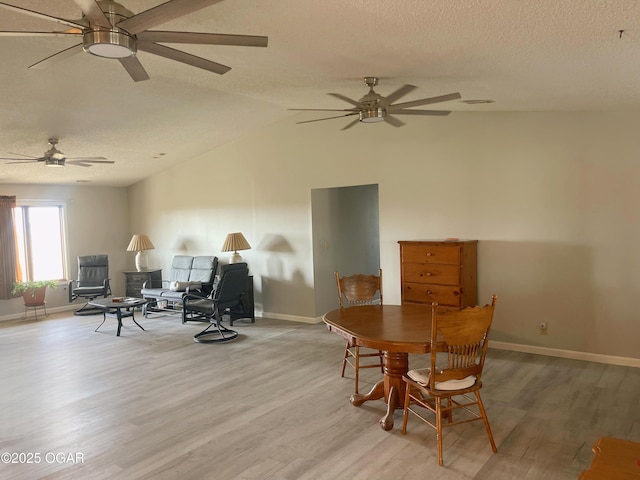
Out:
{"x": 346, "y": 238}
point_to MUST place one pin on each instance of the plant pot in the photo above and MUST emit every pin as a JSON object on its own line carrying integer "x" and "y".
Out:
{"x": 34, "y": 298}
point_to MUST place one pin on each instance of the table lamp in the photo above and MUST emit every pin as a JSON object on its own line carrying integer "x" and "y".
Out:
{"x": 233, "y": 243}
{"x": 140, "y": 243}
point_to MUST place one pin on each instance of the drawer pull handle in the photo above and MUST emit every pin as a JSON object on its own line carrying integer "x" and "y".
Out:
{"x": 429, "y": 254}
{"x": 429, "y": 292}
{"x": 429, "y": 274}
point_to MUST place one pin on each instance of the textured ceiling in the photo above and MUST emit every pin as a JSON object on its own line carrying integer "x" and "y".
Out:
{"x": 525, "y": 55}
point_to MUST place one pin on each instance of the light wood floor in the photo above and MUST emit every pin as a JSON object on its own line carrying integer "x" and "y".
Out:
{"x": 272, "y": 406}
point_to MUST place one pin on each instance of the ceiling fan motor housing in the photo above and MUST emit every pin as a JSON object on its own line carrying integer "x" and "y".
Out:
{"x": 113, "y": 42}
{"x": 54, "y": 157}
{"x": 373, "y": 113}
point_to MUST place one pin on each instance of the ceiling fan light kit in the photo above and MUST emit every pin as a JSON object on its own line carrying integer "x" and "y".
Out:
{"x": 109, "y": 44}
{"x": 372, "y": 115}
{"x": 54, "y": 162}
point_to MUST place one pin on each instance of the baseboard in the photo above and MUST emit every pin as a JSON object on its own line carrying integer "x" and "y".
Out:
{"x": 291, "y": 318}
{"x": 21, "y": 315}
{"x": 572, "y": 354}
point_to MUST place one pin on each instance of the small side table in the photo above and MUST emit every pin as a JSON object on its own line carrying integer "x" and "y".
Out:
{"x": 134, "y": 281}
{"x": 246, "y": 308}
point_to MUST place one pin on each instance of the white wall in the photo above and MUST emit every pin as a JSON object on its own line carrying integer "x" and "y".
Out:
{"x": 97, "y": 221}
{"x": 552, "y": 197}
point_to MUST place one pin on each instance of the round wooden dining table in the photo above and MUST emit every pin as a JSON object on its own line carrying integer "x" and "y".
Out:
{"x": 397, "y": 330}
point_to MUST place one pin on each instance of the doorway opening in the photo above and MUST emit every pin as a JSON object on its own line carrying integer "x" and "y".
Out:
{"x": 346, "y": 238}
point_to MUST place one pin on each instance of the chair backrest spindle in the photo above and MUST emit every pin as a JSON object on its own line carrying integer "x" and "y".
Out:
{"x": 463, "y": 335}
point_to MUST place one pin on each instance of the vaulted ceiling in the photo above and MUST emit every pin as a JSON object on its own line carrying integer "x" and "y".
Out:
{"x": 524, "y": 55}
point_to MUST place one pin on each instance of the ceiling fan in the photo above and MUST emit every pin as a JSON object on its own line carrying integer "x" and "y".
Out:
{"x": 375, "y": 108}
{"x": 109, "y": 30}
{"x": 55, "y": 158}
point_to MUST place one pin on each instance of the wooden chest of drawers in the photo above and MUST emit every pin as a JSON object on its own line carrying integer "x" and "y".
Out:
{"x": 439, "y": 271}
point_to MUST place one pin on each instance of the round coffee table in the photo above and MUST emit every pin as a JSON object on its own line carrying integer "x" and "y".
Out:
{"x": 120, "y": 307}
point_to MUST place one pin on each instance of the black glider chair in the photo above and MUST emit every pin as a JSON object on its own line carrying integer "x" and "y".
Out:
{"x": 226, "y": 295}
{"x": 93, "y": 282}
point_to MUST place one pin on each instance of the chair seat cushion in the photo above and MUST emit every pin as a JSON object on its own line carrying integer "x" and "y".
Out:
{"x": 201, "y": 306}
{"x": 153, "y": 292}
{"x": 421, "y": 376}
{"x": 88, "y": 290}
{"x": 161, "y": 293}
{"x": 168, "y": 294}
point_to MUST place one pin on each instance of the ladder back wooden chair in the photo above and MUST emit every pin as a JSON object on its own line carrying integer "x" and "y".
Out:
{"x": 459, "y": 341}
{"x": 353, "y": 290}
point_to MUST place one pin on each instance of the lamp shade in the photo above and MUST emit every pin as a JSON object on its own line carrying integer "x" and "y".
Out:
{"x": 233, "y": 243}
{"x": 140, "y": 243}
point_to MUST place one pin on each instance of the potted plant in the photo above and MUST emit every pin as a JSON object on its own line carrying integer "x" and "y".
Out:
{"x": 33, "y": 292}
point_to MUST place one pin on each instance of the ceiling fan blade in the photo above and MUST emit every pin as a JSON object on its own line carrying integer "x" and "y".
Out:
{"x": 183, "y": 57}
{"x": 324, "y": 109}
{"x": 204, "y": 38}
{"x": 393, "y": 96}
{"x": 424, "y": 101}
{"x": 328, "y": 118}
{"x": 94, "y": 14}
{"x": 89, "y": 159}
{"x": 43, "y": 16}
{"x": 56, "y": 57}
{"x": 88, "y": 162}
{"x": 393, "y": 121}
{"x": 134, "y": 68}
{"x": 421, "y": 112}
{"x": 72, "y": 32}
{"x": 24, "y": 160}
{"x": 350, "y": 124}
{"x": 162, "y": 14}
{"x": 20, "y": 155}
{"x": 347, "y": 99}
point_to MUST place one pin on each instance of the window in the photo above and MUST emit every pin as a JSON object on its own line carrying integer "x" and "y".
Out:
{"x": 41, "y": 241}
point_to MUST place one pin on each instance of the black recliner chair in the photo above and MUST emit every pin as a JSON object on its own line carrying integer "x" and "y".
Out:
{"x": 227, "y": 294}
{"x": 93, "y": 282}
